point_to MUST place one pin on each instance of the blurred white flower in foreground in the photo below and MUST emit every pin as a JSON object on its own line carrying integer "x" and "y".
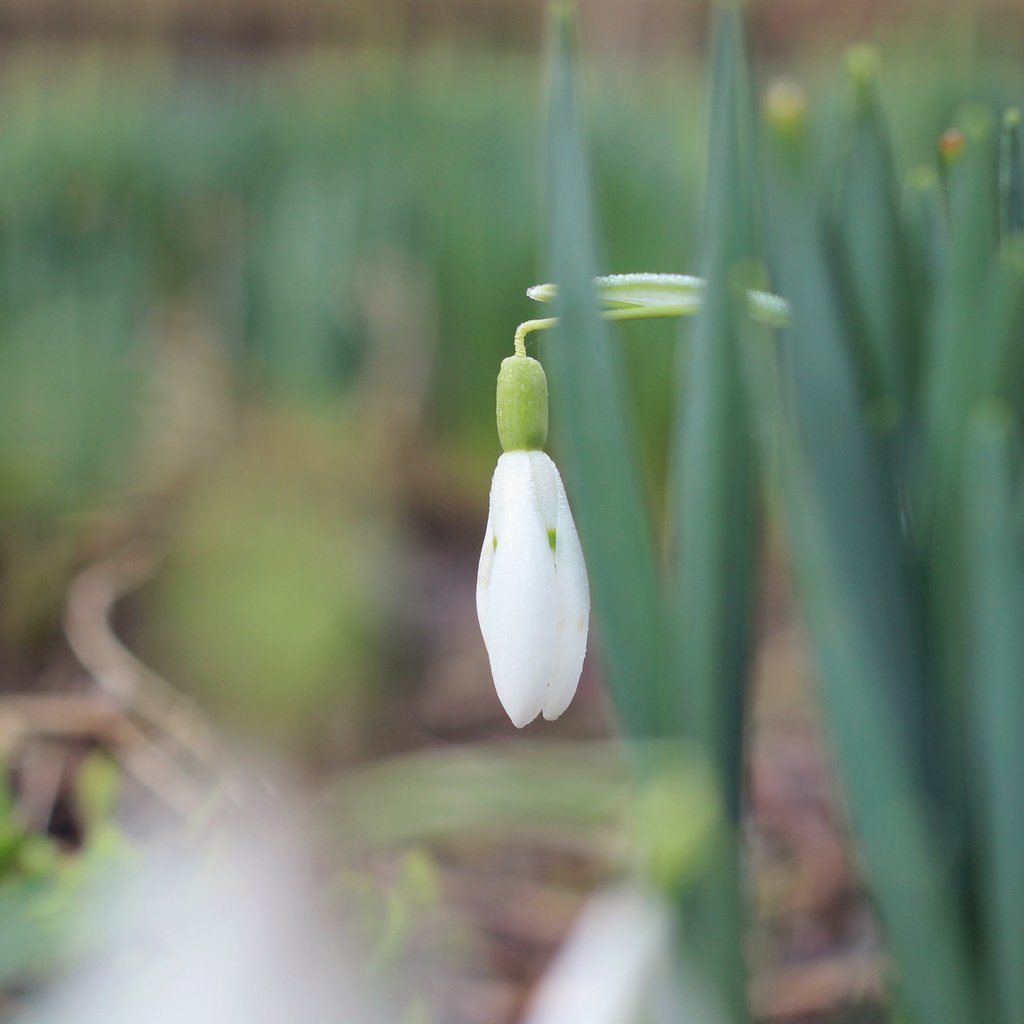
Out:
{"x": 222, "y": 932}
{"x": 532, "y": 595}
{"x": 618, "y": 966}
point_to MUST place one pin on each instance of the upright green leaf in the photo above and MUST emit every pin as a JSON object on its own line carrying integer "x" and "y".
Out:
{"x": 960, "y": 341}
{"x": 592, "y": 422}
{"x": 1000, "y": 371}
{"x": 858, "y": 596}
{"x": 997, "y": 700}
{"x": 927, "y": 232}
{"x": 871, "y": 244}
{"x": 952, "y": 357}
{"x": 1011, "y": 176}
{"x": 716, "y": 498}
{"x": 716, "y": 503}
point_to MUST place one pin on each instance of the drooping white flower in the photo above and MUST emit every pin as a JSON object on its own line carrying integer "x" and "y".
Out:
{"x": 532, "y": 595}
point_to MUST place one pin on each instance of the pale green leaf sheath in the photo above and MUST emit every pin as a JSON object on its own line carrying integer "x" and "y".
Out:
{"x": 626, "y": 295}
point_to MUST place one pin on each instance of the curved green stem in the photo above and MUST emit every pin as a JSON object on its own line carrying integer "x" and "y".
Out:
{"x": 527, "y": 328}
{"x": 651, "y": 313}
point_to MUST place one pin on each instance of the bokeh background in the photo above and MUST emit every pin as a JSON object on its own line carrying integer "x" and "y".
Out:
{"x": 259, "y": 262}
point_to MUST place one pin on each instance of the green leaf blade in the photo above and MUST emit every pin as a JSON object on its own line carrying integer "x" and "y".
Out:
{"x": 860, "y": 599}
{"x": 871, "y": 243}
{"x": 716, "y": 505}
{"x": 593, "y": 421}
{"x": 997, "y": 699}
{"x": 1011, "y": 177}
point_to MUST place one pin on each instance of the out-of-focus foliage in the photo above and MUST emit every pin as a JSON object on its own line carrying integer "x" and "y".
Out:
{"x": 233, "y": 301}
{"x": 238, "y": 300}
{"x": 892, "y": 418}
{"x": 43, "y": 888}
{"x": 268, "y": 196}
{"x": 180, "y": 246}
{"x": 278, "y": 582}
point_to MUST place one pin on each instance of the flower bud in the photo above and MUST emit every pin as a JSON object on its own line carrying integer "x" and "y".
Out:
{"x": 522, "y": 404}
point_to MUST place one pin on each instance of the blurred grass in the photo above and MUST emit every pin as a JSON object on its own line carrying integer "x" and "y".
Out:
{"x": 261, "y": 193}
{"x": 335, "y": 248}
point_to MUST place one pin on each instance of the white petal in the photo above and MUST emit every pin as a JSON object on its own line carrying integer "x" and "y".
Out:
{"x": 518, "y": 613}
{"x": 533, "y": 599}
{"x": 483, "y": 575}
{"x": 572, "y": 609}
{"x": 615, "y": 965}
{"x": 547, "y": 483}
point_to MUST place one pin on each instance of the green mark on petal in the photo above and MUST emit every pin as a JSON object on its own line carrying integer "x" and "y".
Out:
{"x": 551, "y": 538}
{"x": 494, "y": 542}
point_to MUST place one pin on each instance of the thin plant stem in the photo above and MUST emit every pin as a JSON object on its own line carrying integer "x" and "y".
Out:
{"x": 632, "y": 313}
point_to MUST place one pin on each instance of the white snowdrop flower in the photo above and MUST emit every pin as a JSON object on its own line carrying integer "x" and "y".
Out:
{"x": 532, "y": 595}
{"x": 620, "y": 965}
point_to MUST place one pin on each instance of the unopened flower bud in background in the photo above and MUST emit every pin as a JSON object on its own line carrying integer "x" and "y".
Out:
{"x": 532, "y": 595}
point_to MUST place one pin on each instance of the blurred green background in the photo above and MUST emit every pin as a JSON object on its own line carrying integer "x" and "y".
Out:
{"x": 249, "y": 306}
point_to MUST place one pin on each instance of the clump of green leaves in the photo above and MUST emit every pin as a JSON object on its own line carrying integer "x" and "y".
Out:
{"x": 895, "y": 395}
{"x": 882, "y": 425}
{"x": 44, "y": 887}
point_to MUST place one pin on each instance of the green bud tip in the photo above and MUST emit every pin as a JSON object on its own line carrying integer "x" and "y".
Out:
{"x": 863, "y": 69}
{"x": 563, "y": 22}
{"x": 785, "y": 105}
{"x": 922, "y": 178}
{"x": 522, "y": 406}
{"x": 863, "y": 64}
{"x": 951, "y": 145}
{"x": 977, "y": 121}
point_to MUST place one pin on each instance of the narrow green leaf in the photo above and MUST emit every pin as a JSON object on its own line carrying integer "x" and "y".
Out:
{"x": 592, "y": 423}
{"x": 847, "y": 464}
{"x": 997, "y": 699}
{"x": 871, "y": 245}
{"x": 959, "y": 347}
{"x": 952, "y": 358}
{"x": 903, "y": 862}
{"x": 927, "y": 232}
{"x": 716, "y": 498}
{"x": 1000, "y": 366}
{"x": 716, "y": 505}
{"x": 635, "y": 290}
{"x": 860, "y": 601}
{"x": 1011, "y": 176}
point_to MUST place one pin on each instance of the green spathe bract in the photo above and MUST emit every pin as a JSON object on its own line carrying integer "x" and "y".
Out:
{"x": 522, "y": 404}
